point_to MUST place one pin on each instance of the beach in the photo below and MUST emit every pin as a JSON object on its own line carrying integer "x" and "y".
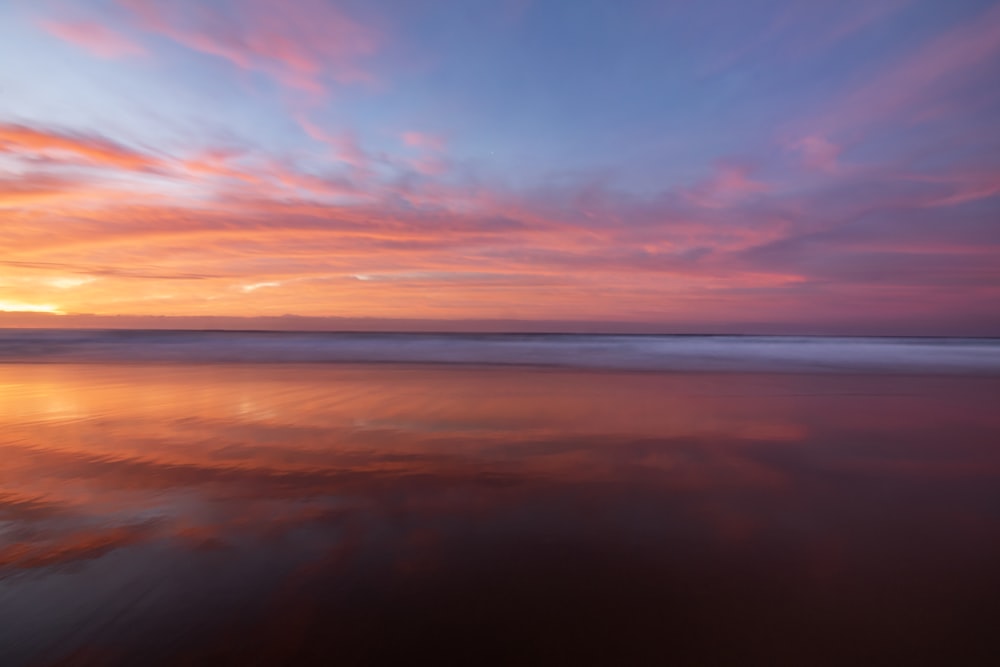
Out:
{"x": 164, "y": 511}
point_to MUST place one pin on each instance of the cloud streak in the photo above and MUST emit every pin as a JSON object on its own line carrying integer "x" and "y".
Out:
{"x": 29, "y": 141}
{"x": 302, "y": 46}
{"x": 96, "y": 38}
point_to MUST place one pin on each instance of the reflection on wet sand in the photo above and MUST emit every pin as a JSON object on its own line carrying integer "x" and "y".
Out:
{"x": 284, "y": 514}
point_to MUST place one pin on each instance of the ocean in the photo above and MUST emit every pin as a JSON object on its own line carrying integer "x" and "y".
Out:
{"x": 236, "y": 498}
{"x": 802, "y": 354}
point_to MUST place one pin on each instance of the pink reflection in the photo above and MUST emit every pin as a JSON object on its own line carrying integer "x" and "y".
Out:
{"x": 301, "y": 481}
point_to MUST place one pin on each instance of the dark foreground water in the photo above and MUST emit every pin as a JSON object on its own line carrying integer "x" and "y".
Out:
{"x": 182, "y": 513}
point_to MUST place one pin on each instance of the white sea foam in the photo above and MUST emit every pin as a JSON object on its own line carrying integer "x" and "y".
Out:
{"x": 664, "y": 353}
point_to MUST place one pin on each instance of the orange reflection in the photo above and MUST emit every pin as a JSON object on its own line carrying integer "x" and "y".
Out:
{"x": 301, "y": 474}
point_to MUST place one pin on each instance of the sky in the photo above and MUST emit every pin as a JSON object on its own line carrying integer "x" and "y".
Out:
{"x": 723, "y": 165}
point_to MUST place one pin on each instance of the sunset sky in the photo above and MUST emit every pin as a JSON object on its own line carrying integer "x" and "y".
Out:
{"x": 731, "y": 165}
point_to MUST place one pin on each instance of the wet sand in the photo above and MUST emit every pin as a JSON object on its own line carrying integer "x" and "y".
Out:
{"x": 160, "y": 514}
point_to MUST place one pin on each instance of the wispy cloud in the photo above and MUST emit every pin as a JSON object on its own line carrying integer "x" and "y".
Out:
{"x": 423, "y": 140}
{"x": 96, "y": 38}
{"x": 303, "y": 45}
{"x": 22, "y": 139}
{"x": 911, "y": 89}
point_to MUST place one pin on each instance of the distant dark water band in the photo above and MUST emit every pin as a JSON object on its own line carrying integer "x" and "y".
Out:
{"x": 664, "y": 353}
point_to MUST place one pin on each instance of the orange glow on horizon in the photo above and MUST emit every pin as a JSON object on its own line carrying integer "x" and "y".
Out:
{"x": 19, "y": 307}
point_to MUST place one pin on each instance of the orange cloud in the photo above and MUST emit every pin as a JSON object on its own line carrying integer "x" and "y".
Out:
{"x": 71, "y": 549}
{"x": 35, "y": 188}
{"x": 21, "y": 139}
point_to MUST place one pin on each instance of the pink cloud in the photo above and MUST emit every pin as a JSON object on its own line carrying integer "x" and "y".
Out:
{"x": 818, "y": 153}
{"x": 728, "y": 185}
{"x": 429, "y": 166}
{"x": 423, "y": 140}
{"x": 345, "y": 145}
{"x": 853, "y": 22}
{"x": 301, "y": 45}
{"x": 731, "y": 180}
{"x": 967, "y": 187}
{"x": 910, "y": 91}
{"x": 94, "y": 37}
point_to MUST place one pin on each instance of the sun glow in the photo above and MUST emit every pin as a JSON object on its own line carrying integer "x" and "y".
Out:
{"x": 19, "y": 307}
{"x": 69, "y": 282}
